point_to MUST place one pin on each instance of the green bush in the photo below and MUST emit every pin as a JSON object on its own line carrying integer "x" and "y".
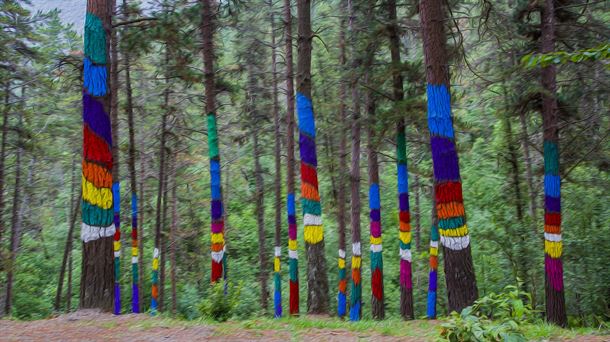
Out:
{"x": 495, "y": 317}
{"x": 219, "y": 305}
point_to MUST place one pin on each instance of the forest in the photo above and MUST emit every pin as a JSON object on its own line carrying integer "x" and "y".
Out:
{"x": 230, "y": 167}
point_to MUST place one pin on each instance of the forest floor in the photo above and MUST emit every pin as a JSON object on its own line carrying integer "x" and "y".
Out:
{"x": 88, "y": 325}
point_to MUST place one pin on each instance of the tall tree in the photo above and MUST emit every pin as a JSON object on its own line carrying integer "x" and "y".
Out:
{"x": 131, "y": 165}
{"x": 98, "y": 229}
{"x": 356, "y": 279}
{"x": 459, "y": 270}
{"x": 341, "y": 184}
{"x": 116, "y": 185}
{"x": 433, "y": 259}
{"x": 217, "y": 226}
{"x": 173, "y": 232}
{"x": 293, "y": 261}
{"x": 277, "y": 180}
{"x": 406, "y": 283}
{"x": 317, "y": 281}
{"x": 555, "y": 301}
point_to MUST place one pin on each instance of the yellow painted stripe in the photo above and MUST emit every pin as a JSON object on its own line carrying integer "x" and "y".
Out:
{"x": 405, "y": 237}
{"x": 434, "y": 251}
{"x": 117, "y": 245}
{"x": 134, "y": 251}
{"x": 356, "y": 261}
{"x": 100, "y": 197}
{"x": 375, "y": 240}
{"x": 276, "y": 264}
{"x": 155, "y": 264}
{"x": 460, "y": 231}
{"x": 292, "y": 245}
{"x": 313, "y": 234}
{"x": 341, "y": 263}
{"x": 554, "y": 249}
{"x": 218, "y": 238}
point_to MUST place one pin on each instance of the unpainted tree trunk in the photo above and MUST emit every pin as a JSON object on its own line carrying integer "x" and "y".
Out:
{"x": 172, "y": 235}
{"x": 5, "y": 117}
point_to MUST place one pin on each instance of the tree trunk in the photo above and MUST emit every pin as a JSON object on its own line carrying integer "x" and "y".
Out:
{"x": 5, "y": 116}
{"x": 260, "y": 220}
{"x": 293, "y": 261}
{"x": 164, "y": 230}
{"x": 555, "y": 300}
{"x": 156, "y": 281}
{"x": 406, "y": 282}
{"x": 116, "y": 186}
{"x": 74, "y": 207}
{"x": 529, "y": 174}
{"x": 141, "y": 227}
{"x": 14, "y": 243}
{"x": 69, "y": 290}
{"x": 459, "y": 270}
{"x": 317, "y": 280}
{"x": 356, "y": 283}
{"x": 416, "y": 189}
{"x": 277, "y": 183}
{"x": 98, "y": 229}
{"x": 172, "y": 235}
{"x": 341, "y": 184}
{"x": 433, "y": 276}
{"x": 131, "y": 163}
{"x": 217, "y": 226}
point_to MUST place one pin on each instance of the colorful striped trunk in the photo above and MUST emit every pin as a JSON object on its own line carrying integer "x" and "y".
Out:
{"x": 376, "y": 251}
{"x": 277, "y": 283}
{"x": 217, "y": 227}
{"x": 135, "y": 274}
{"x": 98, "y": 217}
{"x": 552, "y": 218}
{"x": 433, "y": 277}
{"x": 293, "y": 258}
{"x": 154, "y": 300}
{"x": 404, "y": 217}
{"x": 116, "y": 195}
{"x": 342, "y": 296}
{"x": 355, "y": 309}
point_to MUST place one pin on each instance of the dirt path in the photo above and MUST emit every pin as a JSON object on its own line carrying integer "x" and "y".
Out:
{"x": 88, "y": 325}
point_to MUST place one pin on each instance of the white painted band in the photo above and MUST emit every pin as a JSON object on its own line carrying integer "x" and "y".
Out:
{"x": 278, "y": 251}
{"x": 342, "y": 253}
{"x": 455, "y": 243}
{"x": 405, "y": 254}
{"x": 217, "y": 256}
{"x": 91, "y": 233}
{"x": 356, "y": 248}
{"x": 552, "y": 237}
{"x": 376, "y": 248}
{"x": 312, "y": 220}
{"x": 293, "y": 254}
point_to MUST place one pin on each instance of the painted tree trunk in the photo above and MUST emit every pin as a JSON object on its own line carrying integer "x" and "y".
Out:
{"x": 217, "y": 210}
{"x": 555, "y": 299}
{"x": 404, "y": 235}
{"x": 355, "y": 311}
{"x": 173, "y": 235}
{"x": 433, "y": 275}
{"x": 293, "y": 260}
{"x": 277, "y": 181}
{"x": 341, "y": 184}
{"x": 98, "y": 227}
{"x": 116, "y": 185}
{"x": 135, "y": 267}
{"x": 317, "y": 281}
{"x": 459, "y": 270}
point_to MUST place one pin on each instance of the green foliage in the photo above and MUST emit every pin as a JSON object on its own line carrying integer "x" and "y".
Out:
{"x": 599, "y": 53}
{"x": 218, "y": 305}
{"x": 495, "y": 317}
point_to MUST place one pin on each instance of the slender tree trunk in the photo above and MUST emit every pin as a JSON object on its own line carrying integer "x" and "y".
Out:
{"x": 277, "y": 182}
{"x": 116, "y": 186}
{"x": 529, "y": 174}
{"x": 406, "y": 282}
{"x": 164, "y": 231}
{"x": 293, "y": 262}
{"x": 433, "y": 259}
{"x": 74, "y": 207}
{"x": 417, "y": 189}
{"x": 172, "y": 236}
{"x": 260, "y": 220}
{"x": 341, "y": 184}
{"x": 356, "y": 279}
{"x": 157, "y": 262}
{"x": 555, "y": 300}
{"x": 14, "y": 245}
{"x": 69, "y": 290}
{"x": 98, "y": 229}
{"x": 5, "y": 117}
{"x": 217, "y": 226}
{"x": 131, "y": 164}
{"x": 141, "y": 226}
{"x": 317, "y": 280}
{"x": 459, "y": 269}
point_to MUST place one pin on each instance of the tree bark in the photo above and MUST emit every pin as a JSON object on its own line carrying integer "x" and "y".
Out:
{"x": 97, "y": 274}
{"x": 341, "y": 183}
{"x": 14, "y": 242}
{"x": 172, "y": 235}
{"x": 5, "y": 117}
{"x": 317, "y": 280}
{"x": 555, "y": 300}
{"x": 260, "y": 220}
{"x": 277, "y": 181}
{"x": 459, "y": 269}
{"x": 164, "y": 230}
{"x": 217, "y": 226}
{"x": 290, "y": 198}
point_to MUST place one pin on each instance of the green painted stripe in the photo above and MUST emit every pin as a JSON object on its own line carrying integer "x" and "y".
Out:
{"x": 95, "y": 39}
{"x": 212, "y": 136}
{"x": 551, "y": 158}
{"x": 311, "y": 207}
{"x": 96, "y": 216}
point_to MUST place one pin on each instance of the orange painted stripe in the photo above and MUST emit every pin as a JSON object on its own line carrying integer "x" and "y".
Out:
{"x": 405, "y": 226}
{"x": 217, "y": 247}
{"x": 356, "y": 276}
{"x": 155, "y": 291}
{"x": 449, "y": 210}
{"x": 343, "y": 285}
{"x": 552, "y": 229}
{"x": 97, "y": 175}
{"x": 433, "y": 262}
{"x": 309, "y": 192}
